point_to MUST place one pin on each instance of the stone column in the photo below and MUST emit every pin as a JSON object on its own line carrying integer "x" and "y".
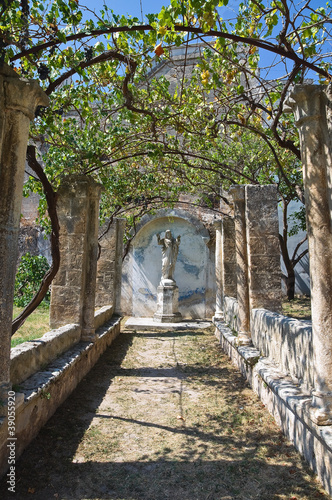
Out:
{"x": 73, "y": 289}
{"x": 18, "y": 101}
{"x": 242, "y": 288}
{"x": 88, "y": 312}
{"x": 121, "y": 224}
{"x": 228, "y": 270}
{"x": 262, "y": 227}
{"x": 219, "y": 313}
{"x": 312, "y": 109}
{"x": 109, "y": 266}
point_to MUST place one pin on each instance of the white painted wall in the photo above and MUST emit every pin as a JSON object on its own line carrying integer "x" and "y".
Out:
{"x": 142, "y": 269}
{"x": 302, "y": 279}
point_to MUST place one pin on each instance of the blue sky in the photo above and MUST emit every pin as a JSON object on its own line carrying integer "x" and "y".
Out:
{"x": 133, "y": 7}
{"x": 125, "y": 7}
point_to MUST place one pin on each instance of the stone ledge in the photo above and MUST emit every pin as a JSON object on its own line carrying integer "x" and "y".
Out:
{"x": 40, "y": 381}
{"x": 297, "y": 400}
{"x": 148, "y": 324}
{"x": 287, "y": 403}
{"x": 103, "y": 314}
{"x": 29, "y": 357}
{"x": 286, "y": 342}
{"x": 249, "y": 353}
{"x": 46, "y": 390}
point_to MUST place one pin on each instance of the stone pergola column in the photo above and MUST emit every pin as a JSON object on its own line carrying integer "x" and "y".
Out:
{"x": 228, "y": 269}
{"x": 312, "y": 109}
{"x": 109, "y": 266}
{"x": 74, "y": 287}
{"x": 219, "y": 312}
{"x": 262, "y": 226}
{"x": 121, "y": 224}
{"x": 242, "y": 288}
{"x": 18, "y": 101}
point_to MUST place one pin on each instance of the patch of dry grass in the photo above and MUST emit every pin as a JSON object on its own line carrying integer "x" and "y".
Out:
{"x": 164, "y": 416}
{"x": 299, "y": 308}
{"x": 34, "y": 327}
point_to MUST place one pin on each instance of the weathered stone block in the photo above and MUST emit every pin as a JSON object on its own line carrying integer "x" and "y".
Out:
{"x": 262, "y": 228}
{"x": 78, "y": 202}
{"x": 167, "y": 304}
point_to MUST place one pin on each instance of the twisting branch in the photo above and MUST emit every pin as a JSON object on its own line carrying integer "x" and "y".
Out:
{"x": 51, "y": 205}
{"x": 297, "y": 188}
{"x": 256, "y": 42}
{"x": 105, "y": 56}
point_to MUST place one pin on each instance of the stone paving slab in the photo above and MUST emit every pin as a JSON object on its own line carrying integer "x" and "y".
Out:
{"x": 146, "y": 324}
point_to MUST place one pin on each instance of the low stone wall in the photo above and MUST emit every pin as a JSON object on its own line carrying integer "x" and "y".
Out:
{"x": 231, "y": 313}
{"x": 279, "y": 369}
{"x": 103, "y": 315}
{"x": 45, "y": 390}
{"x": 32, "y": 356}
{"x": 287, "y": 343}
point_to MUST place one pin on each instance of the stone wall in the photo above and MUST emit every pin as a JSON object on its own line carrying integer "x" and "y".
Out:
{"x": 279, "y": 368}
{"x": 73, "y": 288}
{"x": 287, "y": 343}
{"x": 283, "y": 341}
{"x": 47, "y": 387}
{"x": 32, "y": 239}
{"x": 109, "y": 265}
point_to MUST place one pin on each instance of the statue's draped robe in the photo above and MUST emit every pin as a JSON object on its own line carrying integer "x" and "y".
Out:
{"x": 169, "y": 255}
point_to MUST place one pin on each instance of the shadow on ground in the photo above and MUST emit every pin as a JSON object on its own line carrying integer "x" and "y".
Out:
{"x": 253, "y": 464}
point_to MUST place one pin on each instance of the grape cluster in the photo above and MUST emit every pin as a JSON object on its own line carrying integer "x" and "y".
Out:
{"x": 40, "y": 111}
{"x": 88, "y": 53}
{"x": 43, "y": 71}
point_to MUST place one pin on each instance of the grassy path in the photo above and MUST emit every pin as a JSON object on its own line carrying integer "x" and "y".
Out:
{"x": 163, "y": 416}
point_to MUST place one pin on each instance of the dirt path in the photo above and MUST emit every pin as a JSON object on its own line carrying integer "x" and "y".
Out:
{"x": 163, "y": 416}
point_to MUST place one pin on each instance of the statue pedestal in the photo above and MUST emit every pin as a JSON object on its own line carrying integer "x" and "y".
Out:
{"x": 167, "y": 303}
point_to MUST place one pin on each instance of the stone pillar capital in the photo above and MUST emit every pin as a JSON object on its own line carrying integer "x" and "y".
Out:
{"x": 80, "y": 183}
{"x": 21, "y": 94}
{"x": 306, "y": 102}
{"x": 237, "y": 192}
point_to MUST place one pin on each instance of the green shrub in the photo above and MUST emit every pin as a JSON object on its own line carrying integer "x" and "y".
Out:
{"x": 28, "y": 278}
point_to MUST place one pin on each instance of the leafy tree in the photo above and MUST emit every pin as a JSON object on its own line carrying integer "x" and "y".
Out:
{"x": 30, "y": 272}
{"x": 96, "y": 69}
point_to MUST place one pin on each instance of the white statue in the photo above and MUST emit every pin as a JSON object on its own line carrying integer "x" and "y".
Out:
{"x": 170, "y": 249}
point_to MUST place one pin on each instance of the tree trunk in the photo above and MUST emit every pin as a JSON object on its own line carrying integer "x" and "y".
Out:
{"x": 290, "y": 284}
{"x": 51, "y": 204}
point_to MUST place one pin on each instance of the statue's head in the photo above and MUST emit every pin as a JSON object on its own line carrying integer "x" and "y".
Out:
{"x": 168, "y": 234}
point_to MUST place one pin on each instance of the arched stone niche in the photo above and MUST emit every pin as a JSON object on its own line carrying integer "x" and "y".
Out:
{"x": 194, "y": 269}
